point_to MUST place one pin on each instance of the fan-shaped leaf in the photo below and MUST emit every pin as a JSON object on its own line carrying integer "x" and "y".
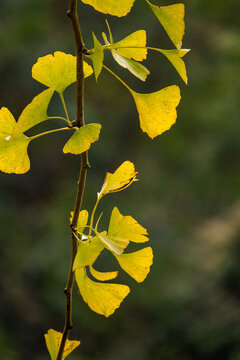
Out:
{"x": 136, "y": 264}
{"x": 119, "y": 180}
{"x": 126, "y": 228}
{"x": 172, "y": 19}
{"x": 53, "y": 339}
{"x": 13, "y": 149}
{"x": 103, "y": 276}
{"x": 138, "y": 38}
{"x": 102, "y": 298}
{"x": 111, "y": 7}
{"x": 34, "y": 113}
{"x": 82, "y": 139}
{"x": 157, "y": 111}
{"x": 87, "y": 253}
{"x": 58, "y": 71}
{"x": 116, "y": 245}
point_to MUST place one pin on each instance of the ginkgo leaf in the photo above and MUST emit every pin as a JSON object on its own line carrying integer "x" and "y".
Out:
{"x": 172, "y": 19}
{"x": 13, "y": 149}
{"x": 137, "y": 69}
{"x": 116, "y": 245}
{"x": 119, "y": 180}
{"x": 82, "y": 139}
{"x": 157, "y": 111}
{"x": 138, "y": 39}
{"x": 175, "y": 57}
{"x": 136, "y": 264}
{"x": 82, "y": 220}
{"x": 58, "y": 71}
{"x": 53, "y": 339}
{"x": 87, "y": 253}
{"x": 102, "y": 298}
{"x": 126, "y": 228}
{"x": 111, "y": 7}
{"x": 97, "y": 57}
{"x": 34, "y": 113}
{"x": 103, "y": 276}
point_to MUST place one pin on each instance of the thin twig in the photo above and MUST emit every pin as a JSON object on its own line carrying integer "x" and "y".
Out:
{"x": 72, "y": 13}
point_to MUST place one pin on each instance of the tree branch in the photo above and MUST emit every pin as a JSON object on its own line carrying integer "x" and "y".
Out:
{"x": 80, "y": 48}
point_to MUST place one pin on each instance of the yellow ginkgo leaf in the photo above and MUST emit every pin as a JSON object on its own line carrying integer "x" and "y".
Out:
{"x": 82, "y": 139}
{"x": 126, "y": 228}
{"x": 87, "y": 253}
{"x": 102, "y": 298}
{"x": 138, "y": 39}
{"x": 103, "y": 276}
{"x": 136, "y": 264}
{"x": 53, "y": 339}
{"x": 13, "y": 149}
{"x": 82, "y": 220}
{"x": 175, "y": 57}
{"x": 119, "y": 180}
{"x": 157, "y": 111}
{"x": 116, "y": 245}
{"x": 34, "y": 113}
{"x": 97, "y": 57}
{"x": 58, "y": 71}
{"x": 172, "y": 19}
{"x": 111, "y": 7}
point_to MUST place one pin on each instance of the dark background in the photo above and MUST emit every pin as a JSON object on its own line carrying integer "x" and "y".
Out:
{"x": 188, "y": 195}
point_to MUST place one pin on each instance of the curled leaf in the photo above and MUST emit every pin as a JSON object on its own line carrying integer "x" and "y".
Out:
{"x": 119, "y": 180}
{"x": 97, "y": 57}
{"x": 102, "y": 298}
{"x": 111, "y": 7}
{"x": 136, "y": 264}
{"x": 13, "y": 149}
{"x": 116, "y": 245}
{"x": 53, "y": 339}
{"x": 103, "y": 276}
{"x": 34, "y": 113}
{"x": 137, "y": 69}
{"x": 58, "y": 71}
{"x": 82, "y": 139}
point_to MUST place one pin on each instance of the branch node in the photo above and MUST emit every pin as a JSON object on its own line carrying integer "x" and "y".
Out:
{"x": 69, "y": 14}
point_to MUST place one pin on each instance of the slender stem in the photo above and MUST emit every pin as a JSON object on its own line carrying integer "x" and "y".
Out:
{"x": 92, "y": 217}
{"x": 48, "y": 132}
{"x": 117, "y": 77}
{"x": 72, "y": 13}
{"x": 57, "y": 117}
{"x": 65, "y": 108}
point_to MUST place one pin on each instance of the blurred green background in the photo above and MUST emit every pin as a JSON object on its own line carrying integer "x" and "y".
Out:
{"x": 188, "y": 194}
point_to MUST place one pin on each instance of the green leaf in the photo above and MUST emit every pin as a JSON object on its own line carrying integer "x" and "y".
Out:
{"x": 53, "y": 339}
{"x": 157, "y": 111}
{"x": 82, "y": 139}
{"x": 103, "y": 276}
{"x": 82, "y": 220}
{"x": 111, "y": 7}
{"x": 13, "y": 150}
{"x": 172, "y": 19}
{"x": 87, "y": 253}
{"x": 175, "y": 57}
{"x": 102, "y": 298}
{"x": 126, "y": 228}
{"x": 136, "y": 264}
{"x": 137, "y": 69}
{"x": 119, "y": 180}
{"x": 34, "y": 113}
{"x": 97, "y": 57}
{"x": 138, "y": 38}
{"x": 58, "y": 71}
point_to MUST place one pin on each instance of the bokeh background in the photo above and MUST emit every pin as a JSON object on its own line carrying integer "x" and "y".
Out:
{"x": 188, "y": 194}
